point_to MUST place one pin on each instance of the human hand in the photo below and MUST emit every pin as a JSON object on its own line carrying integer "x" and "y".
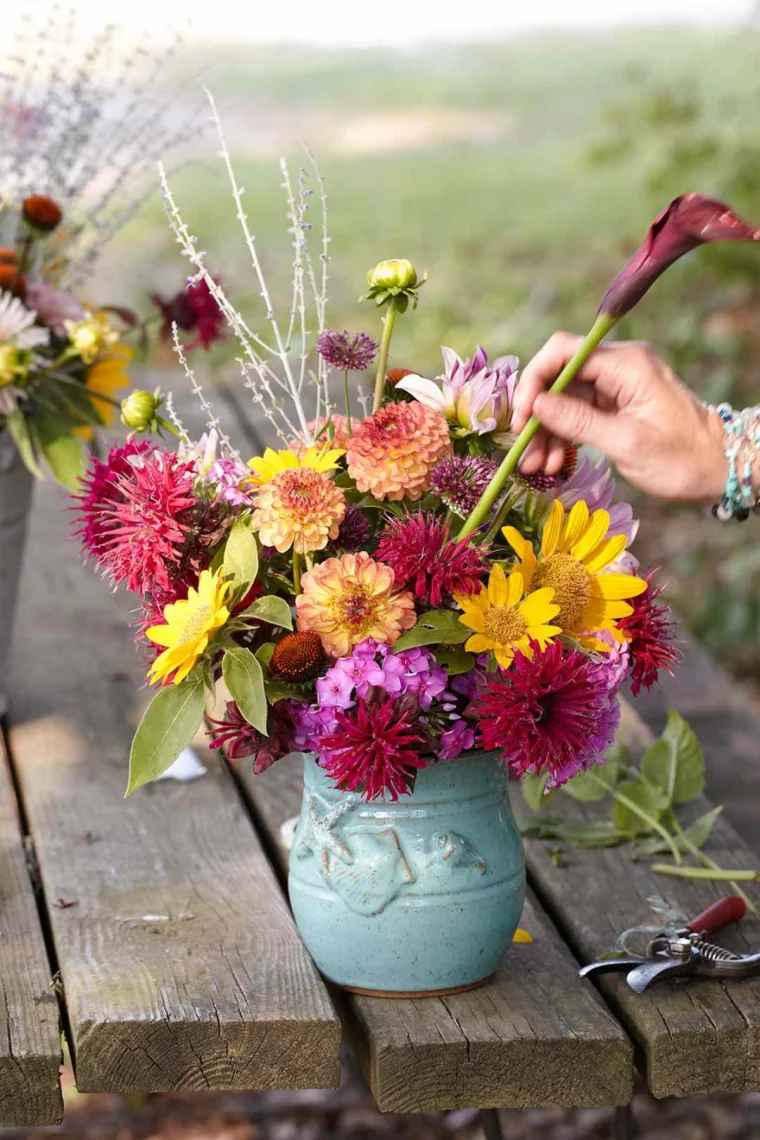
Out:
{"x": 629, "y": 404}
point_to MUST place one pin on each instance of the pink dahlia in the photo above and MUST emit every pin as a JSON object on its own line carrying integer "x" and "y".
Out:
{"x": 138, "y": 529}
{"x": 423, "y": 557}
{"x": 392, "y": 453}
{"x": 238, "y": 739}
{"x": 375, "y": 748}
{"x": 193, "y": 309}
{"x": 551, "y": 713}
{"x": 650, "y": 634}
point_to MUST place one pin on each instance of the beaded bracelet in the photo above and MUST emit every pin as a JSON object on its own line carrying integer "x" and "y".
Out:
{"x": 742, "y": 450}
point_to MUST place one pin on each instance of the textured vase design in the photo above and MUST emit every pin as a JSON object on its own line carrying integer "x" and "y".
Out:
{"x": 421, "y": 895}
{"x": 15, "y": 500}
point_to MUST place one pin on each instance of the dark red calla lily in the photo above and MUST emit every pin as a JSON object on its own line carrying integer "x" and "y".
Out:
{"x": 689, "y": 221}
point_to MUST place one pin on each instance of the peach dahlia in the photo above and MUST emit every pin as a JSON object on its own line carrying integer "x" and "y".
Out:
{"x": 299, "y": 508}
{"x": 393, "y": 452}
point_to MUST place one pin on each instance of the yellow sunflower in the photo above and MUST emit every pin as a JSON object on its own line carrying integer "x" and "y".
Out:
{"x": 189, "y": 626}
{"x": 106, "y": 377}
{"x": 575, "y": 553}
{"x": 271, "y": 463}
{"x": 504, "y": 620}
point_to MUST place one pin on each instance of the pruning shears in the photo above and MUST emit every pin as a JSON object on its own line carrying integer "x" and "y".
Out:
{"x": 685, "y": 952}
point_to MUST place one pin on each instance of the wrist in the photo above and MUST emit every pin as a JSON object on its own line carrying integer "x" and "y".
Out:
{"x": 715, "y": 469}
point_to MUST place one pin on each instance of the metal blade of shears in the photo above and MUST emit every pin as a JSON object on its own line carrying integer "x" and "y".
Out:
{"x": 606, "y": 965}
{"x": 641, "y": 976}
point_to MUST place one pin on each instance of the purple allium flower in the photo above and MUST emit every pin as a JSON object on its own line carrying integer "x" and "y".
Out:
{"x": 551, "y": 713}
{"x": 459, "y": 481}
{"x": 347, "y": 353}
{"x": 354, "y": 532}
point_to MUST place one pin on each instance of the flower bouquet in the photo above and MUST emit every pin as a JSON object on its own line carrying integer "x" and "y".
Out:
{"x": 386, "y": 594}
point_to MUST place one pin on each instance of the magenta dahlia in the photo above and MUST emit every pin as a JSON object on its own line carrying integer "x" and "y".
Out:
{"x": 650, "y": 631}
{"x": 375, "y": 748}
{"x": 551, "y": 713}
{"x": 423, "y": 557}
{"x": 347, "y": 353}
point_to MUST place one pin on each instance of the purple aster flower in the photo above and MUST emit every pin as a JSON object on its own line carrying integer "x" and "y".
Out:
{"x": 347, "y": 353}
{"x": 459, "y": 481}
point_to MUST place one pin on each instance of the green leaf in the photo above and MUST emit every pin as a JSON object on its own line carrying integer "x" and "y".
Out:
{"x": 579, "y": 833}
{"x": 598, "y": 782}
{"x": 454, "y": 660}
{"x": 241, "y": 558}
{"x": 170, "y": 722}
{"x": 64, "y": 453}
{"x": 23, "y": 437}
{"x": 271, "y": 609}
{"x": 650, "y": 802}
{"x": 533, "y": 788}
{"x": 697, "y": 835}
{"x": 690, "y": 764}
{"x": 244, "y": 678}
{"x": 439, "y": 627}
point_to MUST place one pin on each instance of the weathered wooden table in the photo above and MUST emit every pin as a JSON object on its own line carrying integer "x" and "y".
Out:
{"x": 155, "y": 931}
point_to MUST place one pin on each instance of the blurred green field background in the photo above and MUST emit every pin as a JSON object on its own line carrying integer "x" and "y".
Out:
{"x": 520, "y": 174}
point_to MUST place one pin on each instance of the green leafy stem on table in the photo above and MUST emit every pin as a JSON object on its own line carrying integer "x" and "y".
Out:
{"x": 644, "y": 802}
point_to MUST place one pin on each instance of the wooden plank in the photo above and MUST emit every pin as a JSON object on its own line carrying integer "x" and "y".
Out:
{"x": 181, "y": 963}
{"x": 694, "y": 1038}
{"x": 534, "y": 1037}
{"x": 30, "y": 1040}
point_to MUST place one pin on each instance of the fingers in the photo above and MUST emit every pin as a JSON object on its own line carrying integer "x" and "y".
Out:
{"x": 575, "y": 421}
{"x": 541, "y": 373}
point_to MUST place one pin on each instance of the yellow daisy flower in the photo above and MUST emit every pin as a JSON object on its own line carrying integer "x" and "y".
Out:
{"x": 271, "y": 463}
{"x": 106, "y": 377}
{"x": 504, "y": 620}
{"x": 575, "y": 552}
{"x": 189, "y": 625}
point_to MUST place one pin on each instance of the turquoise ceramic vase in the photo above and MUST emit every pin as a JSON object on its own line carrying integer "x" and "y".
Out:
{"x": 421, "y": 896}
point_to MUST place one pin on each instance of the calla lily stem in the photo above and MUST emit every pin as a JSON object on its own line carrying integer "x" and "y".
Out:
{"x": 603, "y": 324}
{"x": 382, "y": 359}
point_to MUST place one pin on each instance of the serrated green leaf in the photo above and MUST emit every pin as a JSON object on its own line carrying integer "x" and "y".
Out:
{"x": 241, "y": 558}
{"x": 454, "y": 660}
{"x": 439, "y": 627}
{"x": 651, "y": 802}
{"x": 244, "y": 678}
{"x": 24, "y": 439}
{"x": 64, "y": 454}
{"x": 697, "y": 835}
{"x": 596, "y": 783}
{"x": 271, "y": 609}
{"x": 170, "y": 722}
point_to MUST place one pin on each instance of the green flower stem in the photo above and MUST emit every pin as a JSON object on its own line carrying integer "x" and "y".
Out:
{"x": 167, "y": 426}
{"x": 382, "y": 359}
{"x": 632, "y": 806}
{"x": 710, "y": 864}
{"x": 707, "y": 873}
{"x": 602, "y": 325}
{"x": 296, "y": 573}
{"x": 347, "y": 402}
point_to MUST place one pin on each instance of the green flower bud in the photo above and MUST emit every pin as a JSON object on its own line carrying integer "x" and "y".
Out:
{"x": 138, "y": 410}
{"x": 397, "y": 273}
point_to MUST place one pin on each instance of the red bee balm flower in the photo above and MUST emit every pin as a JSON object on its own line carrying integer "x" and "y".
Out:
{"x": 422, "y": 556}
{"x": 238, "y": 739}
{"x": 649, "y": 630}
{"x": 689, "y": 221}
{"x": 551, "y": 713}
{"x": 375, "y": 750}
{"x": 193, "y": 309}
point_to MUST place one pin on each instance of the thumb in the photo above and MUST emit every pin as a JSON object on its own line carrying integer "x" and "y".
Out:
{"x": 573, "y": 420}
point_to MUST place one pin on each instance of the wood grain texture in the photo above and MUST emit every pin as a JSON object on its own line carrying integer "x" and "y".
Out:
{"x": 181, "y": 963}
{"x": 30, "y": 1040}
{"x": 536, "y": 1036}
{"x": 694, "y": 1038}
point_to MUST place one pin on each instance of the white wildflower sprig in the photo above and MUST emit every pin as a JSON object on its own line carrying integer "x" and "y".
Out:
{"x": 213, "y": 423}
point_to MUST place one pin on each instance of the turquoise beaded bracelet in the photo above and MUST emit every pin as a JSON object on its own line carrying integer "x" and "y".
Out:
{"x": 742, "y": 447}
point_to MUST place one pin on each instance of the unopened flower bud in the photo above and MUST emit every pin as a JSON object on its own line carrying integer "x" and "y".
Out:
{"x": 138, "y": 410}
{"x": 42, "y": 212}
{"x": 11, "y": 281}
{"x": 9, "y": 256}
{"x": 397, "y": 273}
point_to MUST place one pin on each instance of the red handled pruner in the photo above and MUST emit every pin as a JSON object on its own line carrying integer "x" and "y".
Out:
{"x": 685, "y": 952}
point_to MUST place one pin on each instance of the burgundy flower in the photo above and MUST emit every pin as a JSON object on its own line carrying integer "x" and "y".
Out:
{"x": 689, "y": 221}
{"x": 650, "y": 629}
{"x": 193, "y": 309}
{"x": 423, "y": 557}
{"x": 354, "y": 532}
{"x": 553, "y": 713}
{"x": 345, "y": 352}
{"x": 459, "y": 481}
{"x": 238, "y": 739}
{"x": 375, "y": 748}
